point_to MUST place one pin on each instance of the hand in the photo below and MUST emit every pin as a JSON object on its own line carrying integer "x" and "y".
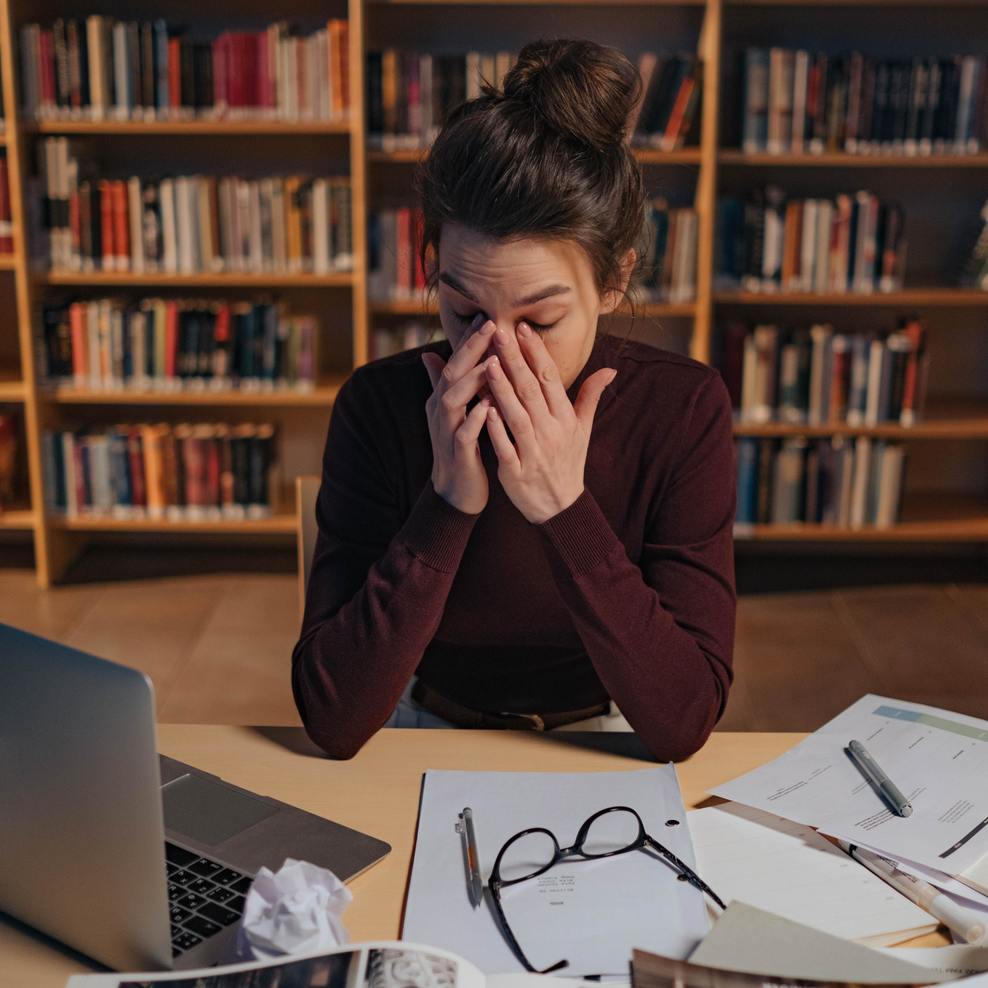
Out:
{"x": 542, "y": 471}
{"x": 458, "y": 472}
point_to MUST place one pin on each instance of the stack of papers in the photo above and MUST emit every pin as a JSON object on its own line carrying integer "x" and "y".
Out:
{"x": 761, "y": 859}
{"x": 937, "y": 758}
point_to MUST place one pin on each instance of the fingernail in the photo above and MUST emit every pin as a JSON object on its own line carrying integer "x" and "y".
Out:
{"x": 611, "y": 381}
{"x": 501, "y": 336}
{"x": 492, "y": 367}
{"x": 524, "y": 330}
{"x": 487, "y": 328}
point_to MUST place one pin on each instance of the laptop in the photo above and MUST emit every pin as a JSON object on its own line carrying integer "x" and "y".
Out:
{"x": 137, "y": 860}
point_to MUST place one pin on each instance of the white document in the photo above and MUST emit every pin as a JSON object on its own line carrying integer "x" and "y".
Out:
{"x": 938, "y": 759}
{"x": 590, "y": 913}
{"x": 787, "y": 868}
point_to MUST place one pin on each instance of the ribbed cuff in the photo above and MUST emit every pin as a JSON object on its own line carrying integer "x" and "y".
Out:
{"x": 580, "y": 535}
{"x": 436, "y": 532}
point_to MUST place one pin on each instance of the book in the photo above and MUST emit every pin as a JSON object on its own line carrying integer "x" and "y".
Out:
{"x": 859, "y": 103}
{"x": 130, "y": 70}
{"x": 191, "y": 223}
{"x": 768, "y": 242}
{"x": 163, "y": 471}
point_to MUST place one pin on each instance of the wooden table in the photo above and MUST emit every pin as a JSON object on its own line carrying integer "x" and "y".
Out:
{"x": 378, "y": 792}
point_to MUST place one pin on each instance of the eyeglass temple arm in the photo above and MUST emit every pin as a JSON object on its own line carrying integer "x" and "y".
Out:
{"x": 685, "y": 870}
{"x": 515, "y": 945}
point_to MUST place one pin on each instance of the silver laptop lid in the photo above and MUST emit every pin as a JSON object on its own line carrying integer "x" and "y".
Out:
{"x": 81, "y": 822}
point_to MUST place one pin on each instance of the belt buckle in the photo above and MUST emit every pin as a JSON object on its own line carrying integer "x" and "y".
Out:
{"x": 538, "y": 724}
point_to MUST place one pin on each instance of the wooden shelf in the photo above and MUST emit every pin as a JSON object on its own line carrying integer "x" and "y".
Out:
{"x": 322, "y": 396}
{"x": 278, "y": 524}
{"x": 712, "y": 170}
{"x": 932, "y": 297}
{"x": 17, "y": 520}
{"x": 944, "y": 420}
{"x": 647, "y": 156}
{"x": 205, "y": 128}
{"x": 230, "y": 279}
{"x": 845, "y": 160}
{"x": 925, "y": 518}
{"x": 538, "y": 3}
{"x": 11, "y": 388}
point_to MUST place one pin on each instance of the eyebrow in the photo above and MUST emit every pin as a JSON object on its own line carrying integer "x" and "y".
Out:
{"x": 542, "y": 293}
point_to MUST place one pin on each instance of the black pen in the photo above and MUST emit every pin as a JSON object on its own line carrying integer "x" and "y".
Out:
{"x": 475, "y": 882}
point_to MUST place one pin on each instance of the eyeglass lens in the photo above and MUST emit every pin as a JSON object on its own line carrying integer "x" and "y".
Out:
{"x": 611, "y": 832}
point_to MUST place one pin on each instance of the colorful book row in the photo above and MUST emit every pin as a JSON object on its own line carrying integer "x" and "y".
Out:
{"x": 189, "y": 224}
{"x": 385, "y": 341}
{"x": 183, "y": 472}
{"x": 815, "y": 376}
{"x": 108, "y": 69}
{"x": 394, "y": 270}
{"x": 410, "y": 93}
{"x": 766, "y": 242}
{"x": 158, "y": 344}
{"x": 672, "y": 88}
{"x": 847, "y": 483}
{"x": 797, "y": 101}
{"x": 669, "y": 265}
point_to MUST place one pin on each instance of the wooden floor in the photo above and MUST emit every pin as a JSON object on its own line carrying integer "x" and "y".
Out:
{"x": 218, "y": 644}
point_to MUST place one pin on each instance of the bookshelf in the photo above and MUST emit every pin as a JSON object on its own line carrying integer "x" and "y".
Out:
{"x": 951, "y": 440}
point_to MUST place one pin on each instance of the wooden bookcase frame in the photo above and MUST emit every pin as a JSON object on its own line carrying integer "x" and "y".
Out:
{"x": 58, "y": 540}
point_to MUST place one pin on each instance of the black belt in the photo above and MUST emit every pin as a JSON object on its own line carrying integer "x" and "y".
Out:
{"x": 462, "y": 716}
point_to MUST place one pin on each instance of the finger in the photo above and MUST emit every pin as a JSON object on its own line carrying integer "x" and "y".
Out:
{"x": 587, "y": 400}
{"x": 545, "y": 370}
{"x": 434, "y": 365}
{"x": 467, "y": 435}
{"x": 469, "y": 385}
{"x": 516, "y": 416}
{"x": 525, "y": 383}
{"x": 471, "y": 349}
{"x": 506, "y": 452}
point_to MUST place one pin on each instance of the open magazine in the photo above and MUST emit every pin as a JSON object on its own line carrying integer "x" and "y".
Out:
{"x": 373, "y": 964}
{"x": 398, "y": 964}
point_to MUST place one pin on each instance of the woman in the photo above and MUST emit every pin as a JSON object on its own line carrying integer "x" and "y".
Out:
{"x": 514, "y": 535}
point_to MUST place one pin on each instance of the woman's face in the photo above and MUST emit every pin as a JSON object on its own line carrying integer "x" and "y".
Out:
{"x": 547, "y": 283}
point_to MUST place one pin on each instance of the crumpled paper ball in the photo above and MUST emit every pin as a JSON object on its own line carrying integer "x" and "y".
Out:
{"x": 295, "y": 910}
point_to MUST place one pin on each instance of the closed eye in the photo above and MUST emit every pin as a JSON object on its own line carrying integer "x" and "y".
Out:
{"x": 537, "y": 326}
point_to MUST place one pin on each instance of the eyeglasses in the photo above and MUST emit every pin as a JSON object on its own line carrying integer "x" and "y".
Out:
{"x": 607, "y": 832}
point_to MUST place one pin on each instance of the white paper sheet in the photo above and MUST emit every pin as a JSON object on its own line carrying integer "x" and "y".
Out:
{"x": 789, "y": 869}
{"x": 591, "y": 913}
{"x": 937, "y": 758}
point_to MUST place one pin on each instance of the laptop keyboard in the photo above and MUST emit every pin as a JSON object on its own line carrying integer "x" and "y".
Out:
{"x": 203, "y": 896}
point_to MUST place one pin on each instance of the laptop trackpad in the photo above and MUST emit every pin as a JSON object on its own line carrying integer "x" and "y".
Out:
{"x": 210, "y": 812}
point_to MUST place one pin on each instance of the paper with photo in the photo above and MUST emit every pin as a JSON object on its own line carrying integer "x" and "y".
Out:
{"x": 590, "y": 913}
{"x": 937, "y": 758}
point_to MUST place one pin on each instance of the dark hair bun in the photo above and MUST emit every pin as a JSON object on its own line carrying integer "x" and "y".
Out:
{"x": 581, "y": 89}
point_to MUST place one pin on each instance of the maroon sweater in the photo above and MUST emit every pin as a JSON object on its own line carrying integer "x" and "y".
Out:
{"x": 628, "y": 593}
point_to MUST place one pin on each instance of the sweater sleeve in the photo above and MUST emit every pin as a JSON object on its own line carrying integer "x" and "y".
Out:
{"x": 377, "y": 588}
{"x": 661, "y": 635}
